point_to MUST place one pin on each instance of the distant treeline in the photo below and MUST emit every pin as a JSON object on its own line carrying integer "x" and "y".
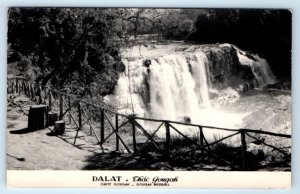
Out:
{"x": 265, "y": 32}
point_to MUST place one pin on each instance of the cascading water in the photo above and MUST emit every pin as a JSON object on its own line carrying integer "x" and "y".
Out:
{"x": 174, "y": 88}
{"x": 259, "y": 67}
{"x": 200, "y": 73}
{"x": 177, "y": 86}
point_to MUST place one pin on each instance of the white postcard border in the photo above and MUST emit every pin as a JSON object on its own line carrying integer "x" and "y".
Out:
{"x": 149, "y": 179}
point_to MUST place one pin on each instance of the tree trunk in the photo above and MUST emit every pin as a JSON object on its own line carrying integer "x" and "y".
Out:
{"x": 38, "y": 117}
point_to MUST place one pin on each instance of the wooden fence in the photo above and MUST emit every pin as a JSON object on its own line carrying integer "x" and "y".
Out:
{"x": 171, "y": 140}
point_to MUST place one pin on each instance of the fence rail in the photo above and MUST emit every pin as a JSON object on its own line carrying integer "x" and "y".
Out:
{"x": 131, "y": 134}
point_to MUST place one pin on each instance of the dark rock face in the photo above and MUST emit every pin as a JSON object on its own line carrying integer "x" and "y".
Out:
{"x": 224, "y": 68}
{"x": 119, "y": 66}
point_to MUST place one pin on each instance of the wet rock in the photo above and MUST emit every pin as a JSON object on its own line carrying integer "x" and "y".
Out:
{"x": 187, "y": 119}
{"x": 256, "y": 149}
{"x": 147, "y": 62}
{"x": 226, "y": 97}
{"x": 119, "y": 66}
{"x": 161, "y": 166}
{"x": 125, "y": 151}
{"x": 277, "y": 86}
{"x": 152, "y": 155}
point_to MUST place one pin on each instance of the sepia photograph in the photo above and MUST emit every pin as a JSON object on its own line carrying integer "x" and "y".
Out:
{"x": 149, "y": 89}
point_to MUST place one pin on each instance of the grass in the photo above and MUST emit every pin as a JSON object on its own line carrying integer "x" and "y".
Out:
{"x": 185, "y": 154}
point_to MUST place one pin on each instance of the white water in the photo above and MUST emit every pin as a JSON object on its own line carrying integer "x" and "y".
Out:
{"x": 178, "y": 87}
{"x": 199, "y": 69}
{"x": 174, "y": 90}
{"x": 259, "y": 67}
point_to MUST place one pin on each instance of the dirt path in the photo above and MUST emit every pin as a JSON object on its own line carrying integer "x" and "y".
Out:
{"x": 36, "y": 150}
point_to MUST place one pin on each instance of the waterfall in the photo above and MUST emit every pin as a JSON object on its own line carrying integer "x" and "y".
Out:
{"x": 176, "y": 86}
{"x": 176, "y": 90}
{"x": 200, "y": 75}
{"x": 259, "y": 67}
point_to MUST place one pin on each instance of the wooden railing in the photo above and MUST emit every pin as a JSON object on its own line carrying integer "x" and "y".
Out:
{"x": 169, "y": 139}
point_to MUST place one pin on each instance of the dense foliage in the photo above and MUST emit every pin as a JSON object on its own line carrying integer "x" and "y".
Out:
{"x": 266, "y": 32}
{"x": 66, "y": 47}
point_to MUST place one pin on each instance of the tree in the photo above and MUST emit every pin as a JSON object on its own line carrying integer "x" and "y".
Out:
{"x": 67, "y": 45}
{"x": 262, "y": 31}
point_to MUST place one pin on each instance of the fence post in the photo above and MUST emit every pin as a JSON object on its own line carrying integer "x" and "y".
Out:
{"x": 102, "y": 126}
{"x": 32, "y": 92}
{"x": 79, "y": 122}
{"x": 69, "y": 105}
{"x": 35, "y": 93}
{"x": 168, "y": 137}
{"x": 117, "y": 130}
{"x": 28, "y": 90}
{"x": 60, "y": 106}
{"x": 17, "y": 85}
{"x": 201, "y": 139}
{"x": 12, "y": 86}
{"x": 45, "y": 93}
{"x": 244, "y": 147}
{"x": 7, "y": 89}
{"x": 24, "y": 88}
{"x": 40, "y": 95}
{"x": 49, "y": 100}
{"x": 133, "y": 135}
